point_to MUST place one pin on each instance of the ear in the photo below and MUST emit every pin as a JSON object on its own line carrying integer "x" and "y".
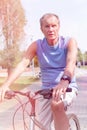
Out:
{"x": 41, "y": 29}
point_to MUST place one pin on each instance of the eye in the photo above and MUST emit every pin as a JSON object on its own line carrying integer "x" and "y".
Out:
{"x": 47, "y": 26}
{"x": 53, "y": 26}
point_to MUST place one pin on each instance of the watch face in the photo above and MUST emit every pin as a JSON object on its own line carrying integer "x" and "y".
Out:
{"x": 65, "y": 77}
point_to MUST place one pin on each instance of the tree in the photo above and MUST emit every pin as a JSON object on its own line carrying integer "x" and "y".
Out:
{"x": 85, "y": 58}
{"x": 79, "y": 56}
{"x": 12, "y": 19}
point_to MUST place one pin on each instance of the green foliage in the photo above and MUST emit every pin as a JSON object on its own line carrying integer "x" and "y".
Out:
{"x": 10, "y": 57}
{"x": 85, "y": 56}
{"x": 79, "y": 56}
{"x": 82, "y": 57}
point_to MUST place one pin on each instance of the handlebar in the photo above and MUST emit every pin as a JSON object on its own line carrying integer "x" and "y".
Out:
{"x": 47, "y": 93}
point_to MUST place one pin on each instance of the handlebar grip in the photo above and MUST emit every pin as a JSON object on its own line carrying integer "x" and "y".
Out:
{"x": 9, "y": 94}
{"x": 69, "y": 90}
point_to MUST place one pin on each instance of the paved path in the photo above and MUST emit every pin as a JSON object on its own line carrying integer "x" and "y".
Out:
{"x": 79, "y": 107}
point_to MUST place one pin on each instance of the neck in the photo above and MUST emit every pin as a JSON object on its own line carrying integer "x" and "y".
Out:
{"x": 52, "y": 42}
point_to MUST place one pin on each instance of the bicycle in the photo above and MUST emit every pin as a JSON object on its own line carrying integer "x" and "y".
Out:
{"x": 47, "y": 94}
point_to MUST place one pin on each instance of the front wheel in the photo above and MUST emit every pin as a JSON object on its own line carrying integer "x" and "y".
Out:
{"x": 74, "y": 122}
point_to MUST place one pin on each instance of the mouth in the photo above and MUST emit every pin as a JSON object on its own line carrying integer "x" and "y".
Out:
{"x": 51, "y": 34}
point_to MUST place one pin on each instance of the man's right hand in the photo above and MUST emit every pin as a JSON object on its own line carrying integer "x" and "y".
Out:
{"x": 3, "y": 90}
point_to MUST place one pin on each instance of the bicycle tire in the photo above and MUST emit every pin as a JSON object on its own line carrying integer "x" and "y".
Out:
{"x": 74, "y": 122}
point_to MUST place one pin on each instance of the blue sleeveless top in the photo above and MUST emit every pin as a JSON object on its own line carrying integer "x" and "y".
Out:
{"x": 52, "y": 61}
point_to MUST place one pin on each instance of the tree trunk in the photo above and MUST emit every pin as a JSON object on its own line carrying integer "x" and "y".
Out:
{"x": 9, "y": 71}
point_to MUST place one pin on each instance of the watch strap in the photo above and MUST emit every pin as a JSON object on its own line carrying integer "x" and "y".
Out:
{"x": 66, "y": 77}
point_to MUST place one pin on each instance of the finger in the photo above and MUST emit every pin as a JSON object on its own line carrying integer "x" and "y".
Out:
{"x": 56, "y": 94}
{"x": 61, "y": 91}
{"x": 63, "y": 96}
{"x": 1, "y": 96}
{"x": 64, "y": 93}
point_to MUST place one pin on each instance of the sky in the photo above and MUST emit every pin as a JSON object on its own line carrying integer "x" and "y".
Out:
{"x": 72, "y": 14}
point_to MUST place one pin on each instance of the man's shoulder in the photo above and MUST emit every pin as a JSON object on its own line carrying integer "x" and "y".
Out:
{"x": 65, "y": 37}
{"x": 40, "y": 40}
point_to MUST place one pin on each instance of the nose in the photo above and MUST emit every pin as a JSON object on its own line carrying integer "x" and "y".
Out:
{"x": 50, "y": 28}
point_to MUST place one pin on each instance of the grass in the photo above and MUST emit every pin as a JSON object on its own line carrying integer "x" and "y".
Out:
{"x": 20, "y": 83}
{"x": 84, "y": 67}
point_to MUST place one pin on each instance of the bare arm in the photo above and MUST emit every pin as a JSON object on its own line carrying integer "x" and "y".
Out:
{"x": 71, "y": 58}
{"x": 30, "y": 53}
{"x": 69, "y": 70}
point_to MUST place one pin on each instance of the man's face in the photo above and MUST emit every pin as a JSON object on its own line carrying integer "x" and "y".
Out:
{"x": 50, "y": 28}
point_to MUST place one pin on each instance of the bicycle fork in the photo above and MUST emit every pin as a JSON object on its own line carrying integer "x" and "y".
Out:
{"x": 32, "y": 124}
{"x": 32, "y": 114}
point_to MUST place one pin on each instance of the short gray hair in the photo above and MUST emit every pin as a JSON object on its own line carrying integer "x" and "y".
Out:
{"x": 47, "y": 15}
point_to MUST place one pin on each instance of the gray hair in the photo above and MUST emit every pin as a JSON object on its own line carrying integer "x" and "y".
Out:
{"x": 47, "y": 15}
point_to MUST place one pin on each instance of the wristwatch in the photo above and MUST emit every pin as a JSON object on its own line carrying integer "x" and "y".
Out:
{"x": 66, "y": 77}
